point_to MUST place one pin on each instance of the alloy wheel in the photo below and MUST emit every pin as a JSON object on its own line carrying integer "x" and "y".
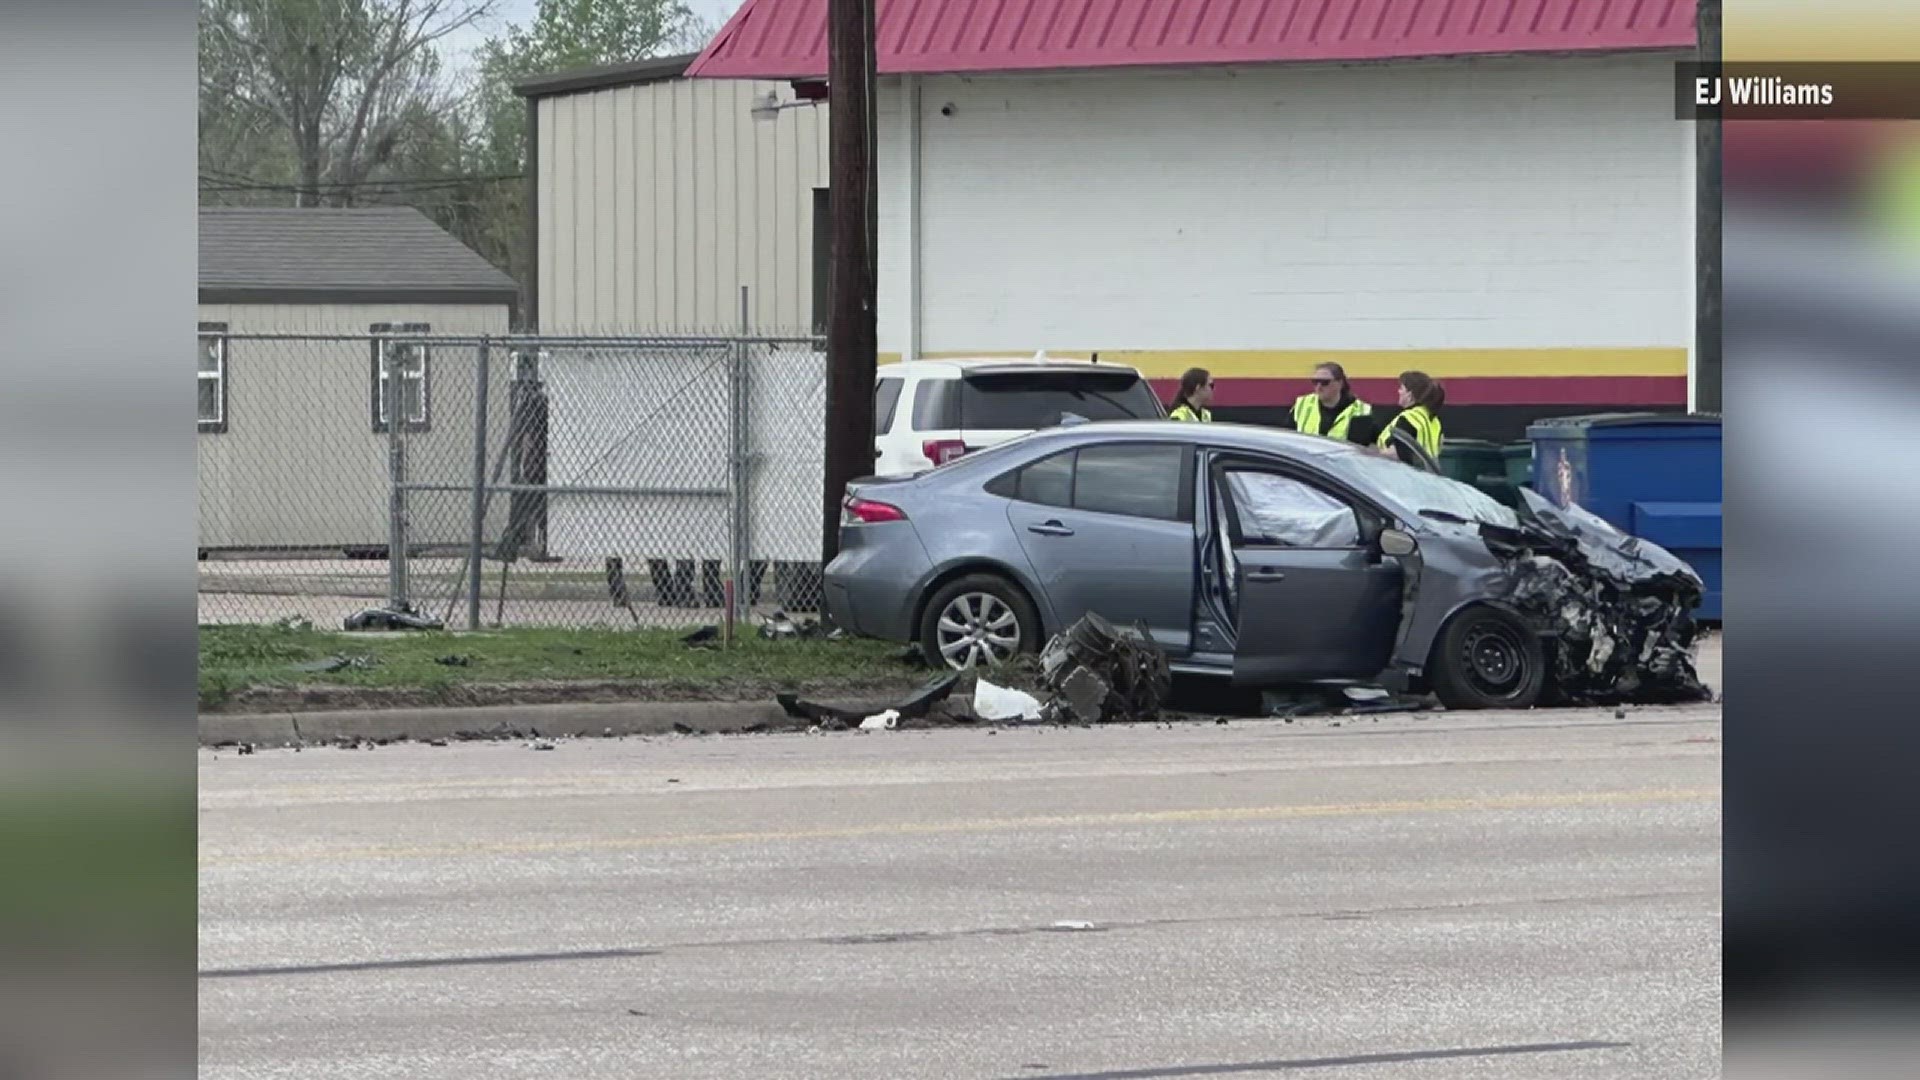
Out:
{"x": 977, "y": 629}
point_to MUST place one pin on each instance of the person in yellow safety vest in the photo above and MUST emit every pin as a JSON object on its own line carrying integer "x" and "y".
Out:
{"x": 1330, "y": 409}
{"x": 1421, "y": 397}
{"x": 1196, "y": 393}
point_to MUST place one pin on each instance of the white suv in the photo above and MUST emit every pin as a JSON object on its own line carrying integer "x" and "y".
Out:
{"x": 928, "y": 412}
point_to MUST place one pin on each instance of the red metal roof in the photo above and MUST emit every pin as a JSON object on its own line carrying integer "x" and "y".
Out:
{"x": 787, "y": 39}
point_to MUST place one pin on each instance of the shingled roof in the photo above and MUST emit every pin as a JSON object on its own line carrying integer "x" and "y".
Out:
{"x": 357, "y": 255}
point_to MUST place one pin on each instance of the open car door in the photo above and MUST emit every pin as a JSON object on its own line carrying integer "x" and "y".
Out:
{"x": 1312, "y": 598}
{"x": 1411, "y": 452}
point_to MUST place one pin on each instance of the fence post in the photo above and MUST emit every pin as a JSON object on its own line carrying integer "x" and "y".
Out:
{"x": 743, "y": 589}
{"x": 396, "y": 476}
{"x": 483, "y": 377}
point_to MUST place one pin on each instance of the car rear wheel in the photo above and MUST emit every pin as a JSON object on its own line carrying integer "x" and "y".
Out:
{"x": 1487, "y": 659}
{"x": 977, "y": 621}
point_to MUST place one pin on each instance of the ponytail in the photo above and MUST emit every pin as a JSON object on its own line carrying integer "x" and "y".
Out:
{"x": 1425, "y": 389}
{"x": 1194, "y": 379}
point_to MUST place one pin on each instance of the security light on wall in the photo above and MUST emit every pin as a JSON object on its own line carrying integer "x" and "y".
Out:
{"x": 768, "y": 106}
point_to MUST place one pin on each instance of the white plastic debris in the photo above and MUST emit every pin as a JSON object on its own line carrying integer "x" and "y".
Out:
{"x": 1367, "y": 693}
{"x": 885, "y": 721}
{"x": 992, "y": 702}
{"x": 1073, "y": 924}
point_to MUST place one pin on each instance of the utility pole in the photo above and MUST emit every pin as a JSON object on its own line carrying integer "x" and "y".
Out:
{"x": 852, "y": 352}
{"x": 1706, "y": 235}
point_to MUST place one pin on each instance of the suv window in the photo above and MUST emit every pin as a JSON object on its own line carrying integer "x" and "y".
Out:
{"x": 936, "y": 405}
{"x": 1140, "y": 480}
{"x": 886, "y": 401}
{"x": 1025, "y": 400}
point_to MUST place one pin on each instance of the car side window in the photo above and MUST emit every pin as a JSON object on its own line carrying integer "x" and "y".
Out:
{"x": 1280, "y": 511}
{"x": 1048, "y": 482}
{"x": 1137, "y": 480}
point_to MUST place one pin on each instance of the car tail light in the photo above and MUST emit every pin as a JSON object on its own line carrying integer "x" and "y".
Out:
{"x": 868, "y": 512}
{"x": 941, "y": 451}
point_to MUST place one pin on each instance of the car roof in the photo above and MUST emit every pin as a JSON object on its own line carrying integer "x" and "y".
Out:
{"x": 955, "y": 366}
{"x": 1231, "y": 436}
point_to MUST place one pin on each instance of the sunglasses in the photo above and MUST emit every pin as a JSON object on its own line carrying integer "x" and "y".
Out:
{"x": 1323, "y": 382}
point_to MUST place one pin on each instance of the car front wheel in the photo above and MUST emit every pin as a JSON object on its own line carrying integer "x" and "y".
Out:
{"x": 1487, "y": 659}
{"x": 978, "y": 621}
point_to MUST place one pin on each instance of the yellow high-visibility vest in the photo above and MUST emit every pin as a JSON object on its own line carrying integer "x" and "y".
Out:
{"x": 1188, "y": 412}
{"x": 1425, "y": 425}
{"x": 1306, "y": 416}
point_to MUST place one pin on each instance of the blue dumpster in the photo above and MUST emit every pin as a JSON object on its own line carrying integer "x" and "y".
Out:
{"x": 1651, "y": 475}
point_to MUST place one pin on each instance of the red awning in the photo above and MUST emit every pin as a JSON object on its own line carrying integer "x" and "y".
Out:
{"x": 787, "y": 39}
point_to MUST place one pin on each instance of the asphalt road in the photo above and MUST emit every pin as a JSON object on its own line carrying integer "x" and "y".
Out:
{"x": 1531, "y": 896}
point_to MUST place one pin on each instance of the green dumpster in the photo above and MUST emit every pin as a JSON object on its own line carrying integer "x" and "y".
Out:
{"x": 1480, "y": 463}
{"x": 1519, "y": 459}
{"x": 1467, "y": 460}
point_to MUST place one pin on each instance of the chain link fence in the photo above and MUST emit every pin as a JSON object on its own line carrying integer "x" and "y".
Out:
{"x": 654, "y": 481}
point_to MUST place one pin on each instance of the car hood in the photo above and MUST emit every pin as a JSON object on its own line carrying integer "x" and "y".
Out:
{"x": 1619, "y": 607}
{"x": 1624, "y": 561}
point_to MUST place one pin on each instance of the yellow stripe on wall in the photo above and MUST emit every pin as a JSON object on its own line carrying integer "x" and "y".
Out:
{"x": 1374, "y": 363}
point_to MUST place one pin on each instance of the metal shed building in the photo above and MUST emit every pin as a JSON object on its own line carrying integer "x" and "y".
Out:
{"x": 655, "y": 198}
{"x": 293, "y": 431}
{"x": 1496, "y": 193}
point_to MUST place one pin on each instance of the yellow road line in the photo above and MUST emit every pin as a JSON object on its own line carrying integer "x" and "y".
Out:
{"x": 1209, "y": 815}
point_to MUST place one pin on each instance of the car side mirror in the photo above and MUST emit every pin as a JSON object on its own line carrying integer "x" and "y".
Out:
{"x": 1396, "y": 543}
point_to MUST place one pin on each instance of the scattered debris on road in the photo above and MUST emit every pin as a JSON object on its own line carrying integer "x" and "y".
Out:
{"x": 1000, "y": 703}
{"x": 1073, "y": 924}
{"x": 1097, "y": 672}
{"x": 542, "y": 745}
{"x": 1308, "y": 701}
{"x": 881, "y": 721}
{"x": 915, "y": 706}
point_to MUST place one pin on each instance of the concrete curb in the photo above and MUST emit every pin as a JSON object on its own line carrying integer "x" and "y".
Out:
{"x": 586, "y": 719}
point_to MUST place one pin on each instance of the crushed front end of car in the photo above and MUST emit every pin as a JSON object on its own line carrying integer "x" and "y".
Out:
{"x": 1618, "y": 609}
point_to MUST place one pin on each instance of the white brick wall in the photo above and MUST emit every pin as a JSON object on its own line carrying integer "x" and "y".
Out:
{"x": 1502, "y": 203}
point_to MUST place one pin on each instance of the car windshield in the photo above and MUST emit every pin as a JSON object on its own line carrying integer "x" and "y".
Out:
{"x": 1428, "y": 493}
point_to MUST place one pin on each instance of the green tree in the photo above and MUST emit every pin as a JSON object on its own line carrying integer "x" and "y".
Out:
{"x": 325, "y": 100}
{"x": 563, "y": 35}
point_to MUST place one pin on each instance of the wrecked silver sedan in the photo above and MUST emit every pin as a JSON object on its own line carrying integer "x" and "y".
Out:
{"x": 1270, "y": 557}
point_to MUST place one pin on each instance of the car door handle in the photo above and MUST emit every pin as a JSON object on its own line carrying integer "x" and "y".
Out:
{"x": 1266, "y": 575}
{"x": 1050, "y": 528}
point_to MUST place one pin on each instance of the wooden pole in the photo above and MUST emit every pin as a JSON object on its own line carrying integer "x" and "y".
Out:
{"x": 1707, "y": 235}
{"x": 852, "y": 351}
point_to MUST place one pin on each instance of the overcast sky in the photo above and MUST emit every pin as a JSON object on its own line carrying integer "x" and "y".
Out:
{"x": 460, "y": 47}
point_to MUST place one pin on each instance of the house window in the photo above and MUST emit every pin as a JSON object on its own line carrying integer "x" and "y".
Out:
{"x": 213, "y": 377}
{"x": 407, "y": 360}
